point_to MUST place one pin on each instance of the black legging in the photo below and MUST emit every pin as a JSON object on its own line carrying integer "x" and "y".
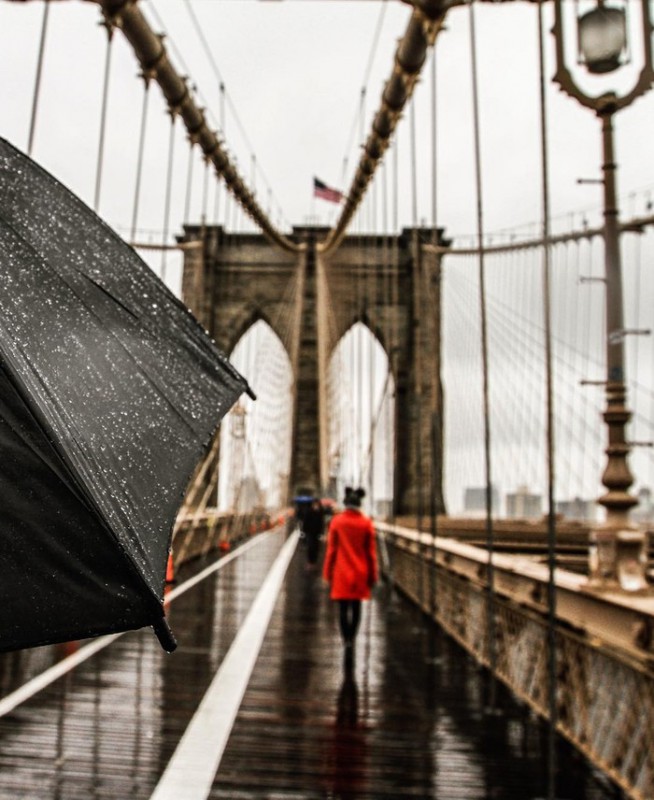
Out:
{"x": 349, "y": 616}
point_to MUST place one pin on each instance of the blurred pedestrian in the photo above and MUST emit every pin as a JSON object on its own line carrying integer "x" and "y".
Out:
{"x": 350, "y": 565}
{"x": 313, "y": 526}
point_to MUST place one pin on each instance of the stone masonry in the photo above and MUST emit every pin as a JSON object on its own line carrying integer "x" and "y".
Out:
{"x": 390, "y": 284}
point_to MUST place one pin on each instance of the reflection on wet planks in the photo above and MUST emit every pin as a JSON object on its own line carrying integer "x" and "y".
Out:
{"x": 409, "y": 721}
{"x": 107, "y": 729}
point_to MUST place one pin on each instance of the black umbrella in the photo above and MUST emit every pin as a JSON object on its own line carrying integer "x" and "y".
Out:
{"x": 110, "y": 392}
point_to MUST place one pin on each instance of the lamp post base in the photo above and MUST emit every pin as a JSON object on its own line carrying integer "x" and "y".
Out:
{"x": 618, "y": 560}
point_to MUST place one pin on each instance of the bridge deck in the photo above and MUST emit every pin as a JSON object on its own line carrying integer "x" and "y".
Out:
{"x": 409, "y": 721}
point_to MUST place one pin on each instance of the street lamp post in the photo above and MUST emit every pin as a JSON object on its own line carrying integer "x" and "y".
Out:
{"x": 602, "y": 41}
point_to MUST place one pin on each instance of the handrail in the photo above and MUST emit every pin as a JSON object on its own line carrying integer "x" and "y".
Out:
{"x": 608, "y": 615}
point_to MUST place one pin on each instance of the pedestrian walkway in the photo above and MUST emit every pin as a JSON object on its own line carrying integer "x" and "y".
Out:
{"x": 411, "y": 720}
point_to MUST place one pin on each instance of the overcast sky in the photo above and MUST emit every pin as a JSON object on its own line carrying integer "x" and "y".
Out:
{"x": 294, "y": 73}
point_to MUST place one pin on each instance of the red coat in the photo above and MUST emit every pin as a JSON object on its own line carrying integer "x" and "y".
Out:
{"x": 351, "y": 558}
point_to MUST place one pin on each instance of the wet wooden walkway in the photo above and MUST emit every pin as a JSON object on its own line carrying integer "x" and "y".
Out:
{"x": 411, "y": 720}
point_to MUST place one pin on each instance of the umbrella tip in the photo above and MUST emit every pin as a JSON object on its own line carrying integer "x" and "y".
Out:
{"x": 250, "y": 393}
{"x": 165, "y": 635}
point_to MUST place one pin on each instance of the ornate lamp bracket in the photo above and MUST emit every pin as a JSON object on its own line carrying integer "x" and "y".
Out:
{"x": 609, "y": 102}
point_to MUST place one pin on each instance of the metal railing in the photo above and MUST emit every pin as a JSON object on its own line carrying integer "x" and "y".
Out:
{"x": 197, "y": 536}
{"x": 604, "y": 643}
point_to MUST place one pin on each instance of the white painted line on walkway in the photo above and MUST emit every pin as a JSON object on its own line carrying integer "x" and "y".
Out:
{"x": 191, "y": 582}
{"x": 56, "y": 671}
{"x": 191, "y": 771}
{"x": 50, "y": 675}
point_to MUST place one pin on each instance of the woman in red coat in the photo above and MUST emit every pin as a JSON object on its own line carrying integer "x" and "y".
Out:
{"x": 350, "y": 565}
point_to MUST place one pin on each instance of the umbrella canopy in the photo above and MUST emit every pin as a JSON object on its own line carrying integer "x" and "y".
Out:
{"x": 110, "y": 392}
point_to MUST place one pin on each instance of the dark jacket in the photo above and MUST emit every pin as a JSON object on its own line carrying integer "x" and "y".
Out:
{"x": 314, "y": 522}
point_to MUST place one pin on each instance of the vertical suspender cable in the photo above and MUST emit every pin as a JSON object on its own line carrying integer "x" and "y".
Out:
{"x": 205, "y": 192}
{"x": 37, "y": 82}
{"x": 414, "y": 172}
{"x": 216, "y": 208}
{"x": 169, "y": 181}
{"x": 216, "y": 204}
{"x": 417, "y": 337}
{"x": 223, "y": 121}
{"x": 139, "y": 161}
{"x": 361, "y": 291}
{"x": 490, "y": 544}
{"x": 436, "y": 455}
{"x": 389, "y": 444}
{"x": 103, "y": 117}
{"x": 358, "y": 357}
{"x": 189, "y": 183}
{"x": 372, "y": 295}
{"x": 551, "y": 518}
{"x": 434, "y": 143}
{"x": 395, "y": 298}
{"x": 387, "y": 293}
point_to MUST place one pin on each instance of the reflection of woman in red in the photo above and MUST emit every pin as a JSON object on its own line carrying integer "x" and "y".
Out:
{"x": 350, "y": 563}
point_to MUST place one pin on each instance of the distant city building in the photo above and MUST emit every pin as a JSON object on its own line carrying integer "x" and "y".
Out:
{"x": 583, "y": 510}
{"x": 474, "y": 501}
{"x": 522, "y": 504}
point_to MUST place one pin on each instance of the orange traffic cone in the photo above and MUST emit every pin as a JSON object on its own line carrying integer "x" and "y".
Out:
{"x": 170, "y": 569}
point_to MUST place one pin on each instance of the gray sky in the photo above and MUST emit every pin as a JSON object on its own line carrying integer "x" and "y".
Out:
{"x": 294, "y": 71}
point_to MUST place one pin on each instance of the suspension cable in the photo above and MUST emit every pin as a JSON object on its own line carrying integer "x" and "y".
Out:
{"x": 425, "y": 23}
{"x": 139, "y": 159}
{"x": 37, "y": 81}
{"x": 205, "y": 192}
{"x": 395, "y": 289}
{"x": 152, "y": 55}
{"x": 372, "y": 353}
{"x": 434, "y": 143}
{"x": 214, "y": 66}
{"x": 103, "y": 118}
{"x": 490, "y": 543}
{"x": 551, "y": 516}
{"x": 189, "y": 183}
{"x": 416, "y": 324}
{"x": 436, "y": 406}
{"x": 169, "y": 182}
{"x": 359, "y": 116}
{"x": 388, "y": 292}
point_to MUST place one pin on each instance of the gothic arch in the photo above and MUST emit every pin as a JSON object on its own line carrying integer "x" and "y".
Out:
{"x": 245, "y": 319}
{"x": 372, "y": 327}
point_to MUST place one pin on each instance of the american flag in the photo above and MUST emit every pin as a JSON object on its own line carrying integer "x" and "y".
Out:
{"x": 321, "y": 189}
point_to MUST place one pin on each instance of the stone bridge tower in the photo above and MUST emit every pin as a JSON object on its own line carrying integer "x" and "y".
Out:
{"x": 231, "y": 281}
